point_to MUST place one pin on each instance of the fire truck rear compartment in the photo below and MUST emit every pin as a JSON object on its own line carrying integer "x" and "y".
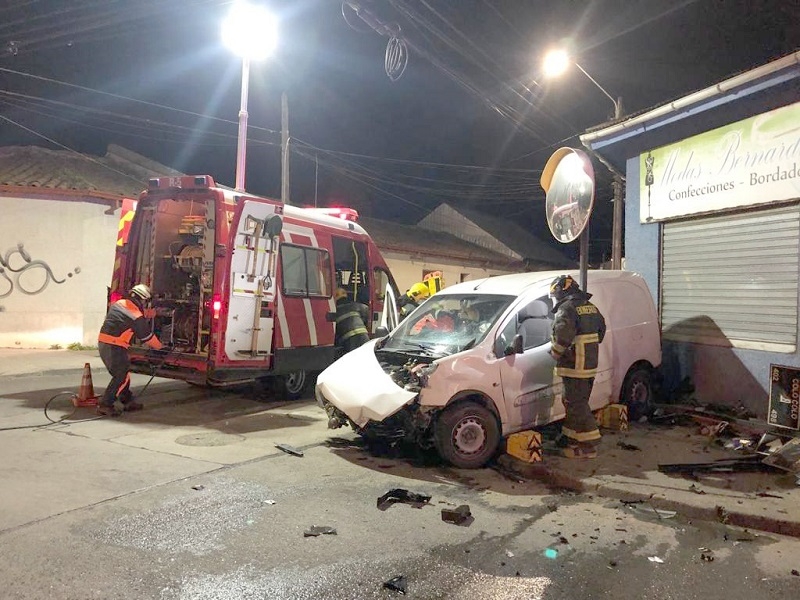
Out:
{"x": 176, "y": 257}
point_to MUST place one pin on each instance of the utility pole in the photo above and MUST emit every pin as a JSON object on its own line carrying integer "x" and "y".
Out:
{"x": 619, "y": 207}
{"x": 284, "y": 148}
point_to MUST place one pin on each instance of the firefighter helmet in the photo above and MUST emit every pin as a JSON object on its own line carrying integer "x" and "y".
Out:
{"x": 339, "y": 294}
{"x": 141, "y": 292}
{"x": 562, "y": 286}
{"x": 418, "y": 291}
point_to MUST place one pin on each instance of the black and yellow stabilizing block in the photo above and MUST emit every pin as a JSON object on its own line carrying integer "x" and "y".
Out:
{"x": 525, "y": 445}
{"x": 613, "y": 416}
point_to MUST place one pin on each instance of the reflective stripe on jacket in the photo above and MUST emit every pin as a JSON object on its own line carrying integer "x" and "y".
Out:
{"x": 578, "y": 329}
{"x": 124, "y": 320}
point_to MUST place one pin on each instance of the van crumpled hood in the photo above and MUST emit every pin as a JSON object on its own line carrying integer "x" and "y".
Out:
{"x": 358, "y": 386}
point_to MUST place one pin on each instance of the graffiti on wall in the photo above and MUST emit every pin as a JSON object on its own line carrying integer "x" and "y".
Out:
{"x": 19, "y": 271}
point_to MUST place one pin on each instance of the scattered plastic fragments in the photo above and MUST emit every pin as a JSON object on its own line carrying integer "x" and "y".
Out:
{"x": 198, "y": 487}
{"x": 550, "y": 553}
{"x": 696, "y": 490}
{"x": 457, "y": 516}
{"x": 270, "y": 502}
{"x": 404, "y": 496}
{"x": 509, "y": 554}
{"x": 661, "y": 514}
{"x": 767, "y": 495}
{"x": 707, "y": 557}
{"x": 655, "y": 559}
{"x": 319, "y": 530}
{"x": 396, "y": 584}
{"x": 289, "y": 449}
{"x": 625, "y": 446}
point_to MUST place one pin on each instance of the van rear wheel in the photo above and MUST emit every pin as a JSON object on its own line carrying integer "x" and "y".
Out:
{"x": 637, "y": 393}
{"x": 467, "y": 435}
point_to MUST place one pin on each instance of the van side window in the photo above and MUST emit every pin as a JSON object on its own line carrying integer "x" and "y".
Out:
{"x": 306, "y": 271}
{"x": 534, "y": 322}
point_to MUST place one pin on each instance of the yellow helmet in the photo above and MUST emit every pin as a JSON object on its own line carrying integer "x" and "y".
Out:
{"x": 418, "y": 291}
{"x": 339, "y": 294}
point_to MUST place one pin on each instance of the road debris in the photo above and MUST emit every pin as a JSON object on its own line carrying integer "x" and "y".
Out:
{"x": 289, "y": 449}
{"x": 396, "y": 584}
{"x": 655, "y": 559}
{"x": 787, "y": 457}
{"x": 696, "y": 490}
{"x": 651, "y": 510}
{"x": 317, "y": 530}
{"x": 404, "y": 496}
{"x": 767, "y": 495}
{"x": 726, "y": 465}
{"x": 626, "y": 446}
{"x": 457, "y": 516}
{"x": 198, "y": 487}
{"x": 706, "y": 557}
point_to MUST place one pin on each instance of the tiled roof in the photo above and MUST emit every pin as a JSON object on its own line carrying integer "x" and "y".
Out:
{"x": 502, "y": 233}
{"x": 119, "y": 173}
{"x": 413, "y": 240}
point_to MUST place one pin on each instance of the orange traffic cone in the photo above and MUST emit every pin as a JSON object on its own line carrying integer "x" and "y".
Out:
{"x": 86, "y": 395}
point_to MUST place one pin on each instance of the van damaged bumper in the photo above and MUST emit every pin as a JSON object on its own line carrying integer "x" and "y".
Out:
{"x": 376, "y": 400}
{"x": 411, "y": 423}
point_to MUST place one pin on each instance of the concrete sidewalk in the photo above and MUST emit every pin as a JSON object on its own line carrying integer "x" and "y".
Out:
{"x": 763, "y": 500}
{"x": 16, "y": 362}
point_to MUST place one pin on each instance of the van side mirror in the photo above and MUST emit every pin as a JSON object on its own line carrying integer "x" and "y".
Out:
{"x": 515, "y": 347}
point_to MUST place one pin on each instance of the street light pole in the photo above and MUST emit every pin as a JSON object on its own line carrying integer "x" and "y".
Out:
{"x": 241, "y": 148}
{"x": 556, "y": 63}
{"x": 251, "y": 32}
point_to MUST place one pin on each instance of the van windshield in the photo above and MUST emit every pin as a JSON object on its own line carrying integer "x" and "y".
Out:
{"x": 447, "y": 323}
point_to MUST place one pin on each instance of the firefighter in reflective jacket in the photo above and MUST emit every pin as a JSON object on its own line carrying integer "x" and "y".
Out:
{"x": 125, "y": 319}
{"x": 578, "y": 330}
{"x": 351, "y": 331}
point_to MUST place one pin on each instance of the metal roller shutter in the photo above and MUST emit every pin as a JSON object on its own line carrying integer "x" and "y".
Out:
{"x": 732, "y": 280}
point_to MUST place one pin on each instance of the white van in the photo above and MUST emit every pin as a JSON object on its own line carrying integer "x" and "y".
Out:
{"x": 471, "y": 365}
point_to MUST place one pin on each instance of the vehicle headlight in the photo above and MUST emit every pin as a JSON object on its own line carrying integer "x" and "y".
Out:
{"x": 423, "y": 371}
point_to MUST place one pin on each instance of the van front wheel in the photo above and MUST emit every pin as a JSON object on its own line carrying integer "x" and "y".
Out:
{"x": 467, "y": 435}
{"x": 637, "y": 393}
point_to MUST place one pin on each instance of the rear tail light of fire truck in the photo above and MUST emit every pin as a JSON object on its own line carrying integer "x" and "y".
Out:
{"x": 216, "y": 305}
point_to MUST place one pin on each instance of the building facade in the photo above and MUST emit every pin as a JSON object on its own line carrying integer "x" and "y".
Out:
{"x": 712, "y": 221}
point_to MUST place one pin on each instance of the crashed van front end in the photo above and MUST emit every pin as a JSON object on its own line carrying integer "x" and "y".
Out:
{"x": 395, "y": 387}
{"x": 379, "y": 399}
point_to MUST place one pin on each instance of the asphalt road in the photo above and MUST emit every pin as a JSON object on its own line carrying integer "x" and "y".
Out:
{"x": 190, "y": 499}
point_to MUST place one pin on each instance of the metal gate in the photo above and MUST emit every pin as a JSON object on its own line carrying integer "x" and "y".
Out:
{"x": 731, "y": 280}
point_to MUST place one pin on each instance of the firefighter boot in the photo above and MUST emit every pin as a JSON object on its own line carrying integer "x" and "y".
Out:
{"x": 108, "y": 410}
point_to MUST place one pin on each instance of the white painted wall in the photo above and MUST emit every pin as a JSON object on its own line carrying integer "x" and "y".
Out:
{"x": 76, "y": 240}
{"x": 407, "y": 271}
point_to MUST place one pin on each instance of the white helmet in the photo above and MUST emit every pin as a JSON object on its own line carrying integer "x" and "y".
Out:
{"x": 141, "y": 291}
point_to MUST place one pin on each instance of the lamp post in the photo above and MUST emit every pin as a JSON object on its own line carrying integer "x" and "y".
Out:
{"x": 555, "y": 63}
{"x": 251, "y": 32}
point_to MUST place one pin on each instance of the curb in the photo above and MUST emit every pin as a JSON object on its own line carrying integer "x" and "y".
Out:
{"x": 70, "y": 371}
{"x": 558, "y": 479}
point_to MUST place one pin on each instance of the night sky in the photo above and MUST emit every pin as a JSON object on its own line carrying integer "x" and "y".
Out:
{"x": 470, "y": 121}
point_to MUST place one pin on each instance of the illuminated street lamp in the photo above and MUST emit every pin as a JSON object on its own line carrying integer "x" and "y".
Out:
{"x": 554, "y": 64}
{"x": 251, "y": 32}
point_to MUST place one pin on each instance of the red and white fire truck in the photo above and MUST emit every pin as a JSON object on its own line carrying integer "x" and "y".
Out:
{"x": 242, "y": 285}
